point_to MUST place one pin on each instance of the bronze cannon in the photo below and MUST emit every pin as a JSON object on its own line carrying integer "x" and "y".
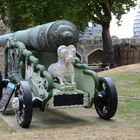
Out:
{"x": 42, "y": 71}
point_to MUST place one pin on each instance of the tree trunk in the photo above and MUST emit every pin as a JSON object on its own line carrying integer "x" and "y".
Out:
{"x": 108, "y": 55}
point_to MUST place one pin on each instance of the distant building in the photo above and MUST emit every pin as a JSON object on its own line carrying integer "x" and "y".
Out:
{"x": 92, "y": 32}
{"x": 136, "y": 26}
{"x": 90, "y": 47}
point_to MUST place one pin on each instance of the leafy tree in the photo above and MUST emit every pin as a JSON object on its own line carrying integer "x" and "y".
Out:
{"x": 3, "y": 11}
{"x": 100, "y": 12}
{"x": 26, "y": 13}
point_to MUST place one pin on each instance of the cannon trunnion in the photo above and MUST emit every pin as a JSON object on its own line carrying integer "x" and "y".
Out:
{"x": 42, "y": 71}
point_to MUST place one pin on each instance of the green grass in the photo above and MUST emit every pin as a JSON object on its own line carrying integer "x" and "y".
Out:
{"x": 127, "y": 82}
{"x": 127, "y": 86}
{"x": 129, "y": 113}
{"x": 126, "y": 107}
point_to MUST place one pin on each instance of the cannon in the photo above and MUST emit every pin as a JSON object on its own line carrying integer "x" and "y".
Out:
{"x": 42, "y": 71}
{"x": 46, "y": 37}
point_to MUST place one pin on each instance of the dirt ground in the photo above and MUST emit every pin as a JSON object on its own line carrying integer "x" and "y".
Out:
{"x": 133, "y": 67}
{"x": 71, "y": 124}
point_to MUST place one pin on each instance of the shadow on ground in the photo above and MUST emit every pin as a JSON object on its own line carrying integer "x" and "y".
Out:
{"x": 64, "y": 118}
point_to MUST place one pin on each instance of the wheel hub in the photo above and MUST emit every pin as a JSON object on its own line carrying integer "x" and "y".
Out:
{"x": 15, "y": 103}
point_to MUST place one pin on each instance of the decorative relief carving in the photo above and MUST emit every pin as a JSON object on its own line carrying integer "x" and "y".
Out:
{"x": 13, "y": 62}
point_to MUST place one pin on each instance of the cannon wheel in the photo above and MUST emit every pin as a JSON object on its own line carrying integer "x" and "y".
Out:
{"x": 23, "y": 110}
{"x": 106, "y": 100}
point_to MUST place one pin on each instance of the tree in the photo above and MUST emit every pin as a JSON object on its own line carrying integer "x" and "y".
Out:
{"x": 103, "y": 16}
{"x": 100, "y": 12}
{"x": 3, "y": 12}
{"x": 27, "y": 13}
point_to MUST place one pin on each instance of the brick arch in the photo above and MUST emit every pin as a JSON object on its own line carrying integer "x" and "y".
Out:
{"x": 95, "y": 56}
{"x": 78, "y": 55}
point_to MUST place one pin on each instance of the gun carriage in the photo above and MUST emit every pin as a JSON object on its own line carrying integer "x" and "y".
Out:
{"x": 42, "y": 70}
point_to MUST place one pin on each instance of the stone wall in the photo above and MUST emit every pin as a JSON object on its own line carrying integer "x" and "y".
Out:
{"x": 89, "y": 48}
{"x": 126, "y": 54}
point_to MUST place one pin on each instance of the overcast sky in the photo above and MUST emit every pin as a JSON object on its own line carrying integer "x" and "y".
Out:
{"x": 126, "y": 29}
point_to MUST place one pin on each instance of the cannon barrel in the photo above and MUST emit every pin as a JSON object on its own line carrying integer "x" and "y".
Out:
{"x": 47, "y": 37}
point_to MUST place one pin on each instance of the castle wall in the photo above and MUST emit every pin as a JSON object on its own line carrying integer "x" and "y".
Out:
{"x": 126, "y": 51}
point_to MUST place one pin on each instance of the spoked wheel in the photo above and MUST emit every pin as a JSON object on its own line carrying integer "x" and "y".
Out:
{"x": 22, "y": 103}
{"x": 106, "y": 100}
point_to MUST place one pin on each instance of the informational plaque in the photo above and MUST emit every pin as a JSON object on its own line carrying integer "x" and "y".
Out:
{"x": 8, "y": 92}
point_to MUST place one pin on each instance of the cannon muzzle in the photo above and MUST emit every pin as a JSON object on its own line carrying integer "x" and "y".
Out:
{"x": 47, "y": 37}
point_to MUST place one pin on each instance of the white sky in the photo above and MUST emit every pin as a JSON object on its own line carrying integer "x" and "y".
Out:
{"x": 126, "y": 28}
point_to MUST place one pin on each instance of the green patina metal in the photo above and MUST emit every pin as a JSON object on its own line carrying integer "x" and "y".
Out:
{"x": 30, "y": 52}
{"x": 86, "y": 80}
{"x": 46, "y": 37}
{"x": 82, "y": 73}
{"x": 28, "y": 60}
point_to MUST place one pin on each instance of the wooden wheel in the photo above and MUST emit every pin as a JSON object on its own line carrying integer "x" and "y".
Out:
{"x": 22, "y": 103}
{"x": 106, "y": 100}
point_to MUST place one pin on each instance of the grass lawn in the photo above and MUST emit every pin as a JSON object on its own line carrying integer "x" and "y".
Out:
{"x": 126, "y": 79}
{"x": 127, "y": 82}
{"x": 129, "y": 111}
